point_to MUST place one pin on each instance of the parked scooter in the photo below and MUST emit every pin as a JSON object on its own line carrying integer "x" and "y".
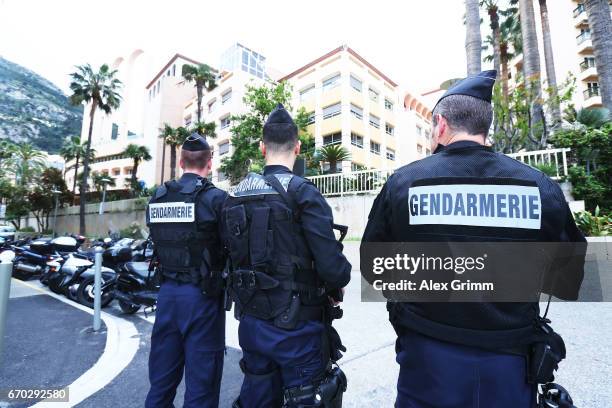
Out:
{"x": 31, "y": 259}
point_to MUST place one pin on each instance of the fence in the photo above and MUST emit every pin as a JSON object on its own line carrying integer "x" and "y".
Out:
{"x": 365, "y": 181}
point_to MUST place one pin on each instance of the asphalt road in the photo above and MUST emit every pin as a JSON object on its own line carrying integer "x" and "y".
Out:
{"x": 369, "y": 362}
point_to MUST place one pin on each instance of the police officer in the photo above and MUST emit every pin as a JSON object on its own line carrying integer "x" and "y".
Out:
{"x": 465, "y": 354}
{"x": 189, "y": 329}
{"x": 285, "y": 261}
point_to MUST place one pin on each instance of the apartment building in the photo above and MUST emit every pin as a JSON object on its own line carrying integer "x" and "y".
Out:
{"x": 353, "y": 103}
{"x": 148, "y": 101}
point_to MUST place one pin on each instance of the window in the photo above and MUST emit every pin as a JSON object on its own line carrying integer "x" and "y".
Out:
{"x": 391, "y": 154}
{"x": 357, "y": 111}
{"x": 419, "y": 149}
{"x": 331, "y": 82}
{"x": 373, "y": 94}
{"x": 307, "y": 93}
{"x": 131, "y": 135}
{"x": 419, "y": 130}
{"x": 116, "y": 172}
{"x": 388, "y": 104}
{"x": 389, "y": 129}
{"x": 174, "y": 70}
{"x": 127, "y": 171}
{"x": 357, "y": 167}
{"x": 334, "y": 138}
{"x": 226, "y": 96}
{"x": 331, "y": 111}
{"x": 375, "y": 147}
{"x": 188, "y": 121}
{"x": 427, "y": 152}
{"x": 223, "y": 148}
{"x": 311, "y": 118}
{"x": 375, "y": 121}
{"x": 211, "y": 105}
{"x": 356, "y": 84}
{"x": 115, "y": 131}
{"x": 427, "y": 134}
{"x": 224, "y": 122}
{"x": 357, "y": 140}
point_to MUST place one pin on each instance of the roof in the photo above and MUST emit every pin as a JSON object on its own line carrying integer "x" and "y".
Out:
{"x": 165, "y": 68}
{"x": 334, "y": 52}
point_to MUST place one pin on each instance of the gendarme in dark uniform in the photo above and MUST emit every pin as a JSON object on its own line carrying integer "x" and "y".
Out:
{"x": 451, "y": 355}
{"x": 285, "y": 260}
{"x": 189, "y": 329}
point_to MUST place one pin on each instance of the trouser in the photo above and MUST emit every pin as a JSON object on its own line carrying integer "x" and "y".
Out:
{"x": 188, "y": 335}
{"x": 436, "y": 374}
{"x": 274, "y": 359}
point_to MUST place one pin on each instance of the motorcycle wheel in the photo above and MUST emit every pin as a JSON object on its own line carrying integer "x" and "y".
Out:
{"x": 85, "y": 294}
{"x": 128, "y": 308}
{"x": 53, "y": 284}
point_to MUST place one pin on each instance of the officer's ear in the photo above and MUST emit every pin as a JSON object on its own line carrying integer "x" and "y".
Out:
{"x": 262, "y": 148}
{"x": 298, "y": 147}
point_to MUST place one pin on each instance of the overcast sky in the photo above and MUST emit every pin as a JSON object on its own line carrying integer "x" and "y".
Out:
{"x": 416, "y": 43}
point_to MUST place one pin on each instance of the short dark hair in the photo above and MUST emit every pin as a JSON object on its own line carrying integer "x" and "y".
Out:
{"x": 280, "y": 137}
{"x": 195, "y": 160}
{"x": 465, "y": 113}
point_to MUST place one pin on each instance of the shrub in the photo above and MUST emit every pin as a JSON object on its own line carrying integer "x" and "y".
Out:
{"x": 132, "y": 231}
{"x": 594, "y": 225}
{"x": 547, "y": 168}
{"x": 27, "y": 229}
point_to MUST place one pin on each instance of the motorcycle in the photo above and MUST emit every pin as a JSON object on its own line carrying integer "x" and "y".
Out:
{"x": 31, "y": 259}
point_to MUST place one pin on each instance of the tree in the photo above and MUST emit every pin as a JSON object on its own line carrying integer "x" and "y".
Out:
{"x": 100, "y": 91}
{"x": 137, "y": 154}
{"x": 204, "y": 79}
{"x": 176, "y": 139}
{"x": 473, "y": 39}
{"x": 42, "y": 196}
{"x": 600, "y": 23}
{"x": 550, "y": 65}
{"x": 247, "y": 128}
{"x": 99, "y": 180}
{"x": 206, "y": 129}
{"x": 6, "y": 150}
{"x": 531, "y": 72}
{"x": 166, "y": 132}
{"x": 73, "y": 149}
{"x": 333, "y": 154}
{"x": 495, "y": 38}
{"x": 26, "y": 163}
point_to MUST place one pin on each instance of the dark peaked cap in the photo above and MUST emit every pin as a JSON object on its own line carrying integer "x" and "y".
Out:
{"x": 479, "y": 86}
{"x": 279, "y": 116}
{"x": 195, "y": 143}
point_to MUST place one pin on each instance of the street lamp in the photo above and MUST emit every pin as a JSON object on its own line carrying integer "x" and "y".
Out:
{"x": 56, "y": 194}
{"x": 105, "y": 181}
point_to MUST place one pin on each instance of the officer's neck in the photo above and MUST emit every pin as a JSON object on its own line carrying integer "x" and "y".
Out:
{"x": 200, "y": 172}
{"x": 463, "y": 136}
{"x": 278, "y": 160}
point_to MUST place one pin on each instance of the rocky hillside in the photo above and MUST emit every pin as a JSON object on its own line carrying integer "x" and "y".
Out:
{"x": 33, "y": 109}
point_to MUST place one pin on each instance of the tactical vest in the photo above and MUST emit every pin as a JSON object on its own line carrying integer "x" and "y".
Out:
{"x": 271, "y": 274}
{"x": 185, "y": 248}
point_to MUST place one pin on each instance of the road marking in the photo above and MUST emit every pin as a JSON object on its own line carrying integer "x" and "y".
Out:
{"x": 122, "y": 342}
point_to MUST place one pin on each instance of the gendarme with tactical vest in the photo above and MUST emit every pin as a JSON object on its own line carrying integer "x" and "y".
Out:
{"x": 271, "y": 276}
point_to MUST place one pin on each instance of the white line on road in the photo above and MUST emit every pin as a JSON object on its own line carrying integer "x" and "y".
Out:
{"x": 122, "y": 343}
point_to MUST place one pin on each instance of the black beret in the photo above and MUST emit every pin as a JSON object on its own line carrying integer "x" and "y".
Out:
{"x": 195, "y": 143}
{"x": 279, "y": 116}
{"x": 479, "y": 86}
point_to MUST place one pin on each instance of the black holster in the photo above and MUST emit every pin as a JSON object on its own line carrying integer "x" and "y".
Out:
{"x": 545, "y": 354}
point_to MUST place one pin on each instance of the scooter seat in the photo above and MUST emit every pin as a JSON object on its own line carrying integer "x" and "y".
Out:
{"x": 138, "y": 268}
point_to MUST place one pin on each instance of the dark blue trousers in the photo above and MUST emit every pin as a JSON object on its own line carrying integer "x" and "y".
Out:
{"x": 436, "y": 374}
{"x": 188, "y": 335}
{"x": 274, "y": 359}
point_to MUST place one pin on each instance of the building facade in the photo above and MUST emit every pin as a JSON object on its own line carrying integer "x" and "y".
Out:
{"x": 352, "y": 103}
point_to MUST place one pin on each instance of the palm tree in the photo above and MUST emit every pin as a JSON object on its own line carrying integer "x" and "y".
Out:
{"x": 177, "y": 139}
{"x": 473, "y": 40}
{"x": 598, "y": 12}
{"x": 137, "y": 154}
{"x": 531, "y": 71}
{"x": 206, "y": 129}
{"x": 511, "y": 44}
{"x": 69, "y": 150}
{"x": 166, "y": 132}
{"x": 26, "y": 162}
{"x": 6, "y": 150}
{"x": 99, "y": 180}
{"x": 333, "y": 154}
{"x": 99, "y": 90}
{"x": 204, "y": 79}
{"x": 495, "y": 38}
{"x": 550, "y": 66}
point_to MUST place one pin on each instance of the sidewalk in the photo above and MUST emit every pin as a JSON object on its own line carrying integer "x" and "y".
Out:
{"x": 47, "y": 343}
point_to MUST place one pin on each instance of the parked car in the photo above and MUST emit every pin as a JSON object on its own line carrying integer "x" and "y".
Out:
{"x": 7, "y": 232}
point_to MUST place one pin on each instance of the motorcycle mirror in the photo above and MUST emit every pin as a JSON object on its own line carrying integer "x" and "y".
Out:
{"x": 7, "y": 256}
{"x": 107, "y": 240}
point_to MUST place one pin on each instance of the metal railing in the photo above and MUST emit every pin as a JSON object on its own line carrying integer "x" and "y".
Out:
{"x": 556, "y": 158}
{"x": 590, "y": 92}
{"x": 584, "y": 36}
{"x": 579, "y": 10}
{"x": 354, "y": 182}
{"x": 586, "y": 64}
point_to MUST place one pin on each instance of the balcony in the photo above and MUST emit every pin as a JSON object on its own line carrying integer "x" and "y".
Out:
{"x": 585, "y": 45}
{"x": 580, "y": 16}
{"x": 592, "y": 98}
{"x": 588, "y": 71}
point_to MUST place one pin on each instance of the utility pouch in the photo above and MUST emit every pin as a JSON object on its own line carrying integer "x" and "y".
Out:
{"x": 545, "y": 355}
{"x": 289, "y": 319}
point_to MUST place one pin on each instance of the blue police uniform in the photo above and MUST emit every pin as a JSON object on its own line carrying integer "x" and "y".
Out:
{"x": 466, "y": 192}
{"x": 189, "y": 330}
{"x": 283, "y": 349}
